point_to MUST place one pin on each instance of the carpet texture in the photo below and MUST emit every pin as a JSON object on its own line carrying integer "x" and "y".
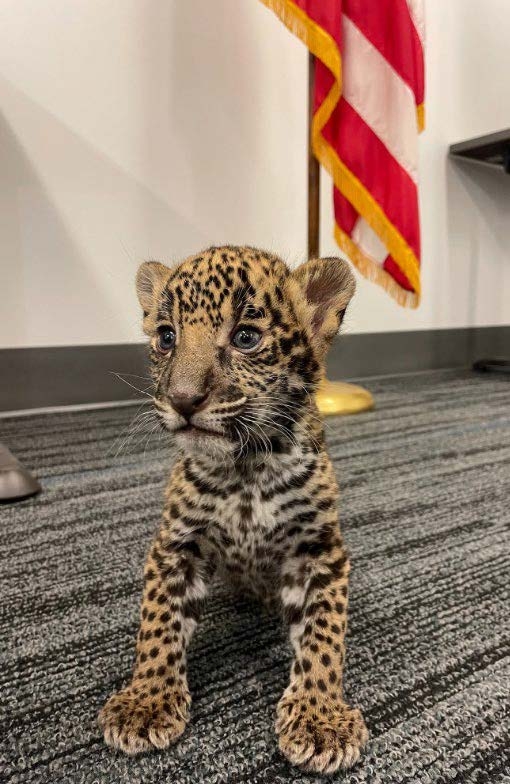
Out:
{"x": 425, "y": 510}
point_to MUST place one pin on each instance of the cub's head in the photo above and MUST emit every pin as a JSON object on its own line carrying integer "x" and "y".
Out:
{"x": 238, "y": 343}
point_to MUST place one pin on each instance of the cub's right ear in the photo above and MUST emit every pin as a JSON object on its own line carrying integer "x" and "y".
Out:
{"x": 150, "y": 279}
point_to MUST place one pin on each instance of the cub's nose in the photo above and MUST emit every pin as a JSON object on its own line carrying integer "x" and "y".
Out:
{"x": 186, "y": 404}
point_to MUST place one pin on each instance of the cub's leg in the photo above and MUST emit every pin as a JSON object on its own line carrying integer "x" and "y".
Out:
{"x": 316, "y": 729}
{"x": 154, "y": 709}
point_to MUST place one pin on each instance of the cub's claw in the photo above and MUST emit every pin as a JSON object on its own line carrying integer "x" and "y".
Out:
{"x": 320, "y": 739}
{"x": 135, "y": 724}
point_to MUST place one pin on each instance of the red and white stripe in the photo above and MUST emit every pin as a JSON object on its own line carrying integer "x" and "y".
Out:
{"x": 376, "y": 120}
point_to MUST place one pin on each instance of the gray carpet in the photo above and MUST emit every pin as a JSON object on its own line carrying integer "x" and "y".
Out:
{"x": 425, "y": 483}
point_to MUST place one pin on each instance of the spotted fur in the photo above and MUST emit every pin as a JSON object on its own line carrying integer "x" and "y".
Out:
{"x": 252, "y": 496}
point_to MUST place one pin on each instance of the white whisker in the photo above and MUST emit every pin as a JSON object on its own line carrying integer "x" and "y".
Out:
{"x": 125, "y": 381}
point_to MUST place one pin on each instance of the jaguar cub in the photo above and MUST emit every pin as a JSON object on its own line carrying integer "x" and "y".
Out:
{"x": 238, "y": 343}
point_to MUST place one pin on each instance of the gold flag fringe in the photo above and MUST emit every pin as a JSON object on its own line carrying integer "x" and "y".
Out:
{"x": 370, "y": 270}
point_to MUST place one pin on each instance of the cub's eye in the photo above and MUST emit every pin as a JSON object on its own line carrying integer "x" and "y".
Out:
{"x": 166, "y": 339}
{"x": 246, "y": 338}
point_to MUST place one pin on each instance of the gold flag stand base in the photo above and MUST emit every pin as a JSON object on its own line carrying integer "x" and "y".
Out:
{"x": 338, "y": 397}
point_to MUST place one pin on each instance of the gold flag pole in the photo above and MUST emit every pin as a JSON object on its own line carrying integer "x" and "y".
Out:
{"x": 333, "y": 397}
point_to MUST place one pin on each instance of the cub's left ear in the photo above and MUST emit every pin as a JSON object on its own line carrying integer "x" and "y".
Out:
{"x": 327, "y": 286}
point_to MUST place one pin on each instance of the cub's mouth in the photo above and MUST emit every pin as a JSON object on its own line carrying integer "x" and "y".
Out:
{"x": 190, "y": 429}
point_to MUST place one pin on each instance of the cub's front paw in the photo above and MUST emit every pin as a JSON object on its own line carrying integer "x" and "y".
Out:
{"x": 320, "y": 737}
{"x": 139, "y": 722}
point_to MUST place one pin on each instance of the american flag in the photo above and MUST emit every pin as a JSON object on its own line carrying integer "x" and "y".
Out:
{"x": 368, "y": 111}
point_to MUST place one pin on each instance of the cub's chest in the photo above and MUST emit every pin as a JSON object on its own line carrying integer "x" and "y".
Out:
{"x": 245, "y": 541}
{"x": 246, "y": 527}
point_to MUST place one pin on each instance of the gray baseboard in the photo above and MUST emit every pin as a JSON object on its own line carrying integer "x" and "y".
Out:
{"x": 71, "y": 375}
{"x": 386, "y": 353}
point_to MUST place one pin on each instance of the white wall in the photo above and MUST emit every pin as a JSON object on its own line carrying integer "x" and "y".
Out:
{"x": 140, "y": 129}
